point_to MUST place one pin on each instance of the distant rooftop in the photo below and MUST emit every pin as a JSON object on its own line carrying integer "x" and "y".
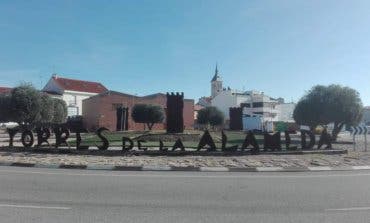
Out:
{"x": 5, "y": 90}
{"x": 79, "y": 85}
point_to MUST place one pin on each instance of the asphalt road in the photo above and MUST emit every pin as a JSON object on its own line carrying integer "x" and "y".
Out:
{"x": 52, "y": 195}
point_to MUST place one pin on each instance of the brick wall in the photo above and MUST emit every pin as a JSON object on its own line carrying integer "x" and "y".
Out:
{"x": 98, "y": 111}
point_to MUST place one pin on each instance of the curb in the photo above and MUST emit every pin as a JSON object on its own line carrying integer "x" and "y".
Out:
{"x": 188, "y": 169}
{"x": 117, "y": 151}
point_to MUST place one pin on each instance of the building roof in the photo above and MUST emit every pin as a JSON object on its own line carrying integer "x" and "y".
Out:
{"x": 5, "y": 90}
{"x": 151, "y": 96}
{"x": 79, "y": 85}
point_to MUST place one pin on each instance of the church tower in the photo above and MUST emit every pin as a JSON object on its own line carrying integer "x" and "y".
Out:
{"x": 216, "y": 84}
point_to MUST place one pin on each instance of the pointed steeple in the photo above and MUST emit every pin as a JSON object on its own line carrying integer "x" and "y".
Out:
{"x": 216, "y": 76}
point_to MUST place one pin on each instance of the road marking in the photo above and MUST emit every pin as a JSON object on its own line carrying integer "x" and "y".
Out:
{"x": 214, "y": 169}
{"x": 361, "y": 167}
{"x": 34, "y": 207}
{"x": 319, "y": 168}
{"x": 139, "y": 174}
{"x": 350, "y": 209}
{"x": 267, "y": 169}
{"x": 156, "y": 168}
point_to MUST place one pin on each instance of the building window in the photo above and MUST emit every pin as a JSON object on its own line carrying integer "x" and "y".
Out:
{"x": 257, "y": 104}
{"x": 245, "y": 105}
{"x": 72, "y": 110}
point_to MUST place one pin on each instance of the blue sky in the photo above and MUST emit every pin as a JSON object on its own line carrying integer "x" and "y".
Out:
{"x": 141, "y": 47}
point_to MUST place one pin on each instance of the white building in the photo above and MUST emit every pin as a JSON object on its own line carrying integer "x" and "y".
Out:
{"x": 72, "y": 92}
{"x": 254, "y": 103}
{"x": 285, "y": 112}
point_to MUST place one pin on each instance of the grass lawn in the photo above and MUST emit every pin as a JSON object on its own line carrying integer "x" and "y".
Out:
{"x": 115, "y": 138}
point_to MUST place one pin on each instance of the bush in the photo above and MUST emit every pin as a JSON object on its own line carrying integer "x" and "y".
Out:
{"x": 27, "y": 106}
{"x": 147, "y": 114}
{"x": 75, "y": 123}
{"x": 210, "y": 116}
{"x": 60, "y": 111}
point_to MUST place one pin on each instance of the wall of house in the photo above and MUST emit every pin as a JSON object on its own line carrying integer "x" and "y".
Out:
{"x": 267, "y": 108}
{"x": 223, "y": 101}
{"x": 91, "y": 113}
{"x": 75, "y": 98}
{"x": 285, "y": 112}
{"x": 105, "y": 106}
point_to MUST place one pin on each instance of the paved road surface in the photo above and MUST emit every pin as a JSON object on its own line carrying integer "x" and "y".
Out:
{"x": 52, "y": 195}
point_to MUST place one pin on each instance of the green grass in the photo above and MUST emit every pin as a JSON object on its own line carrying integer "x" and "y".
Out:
{"x": 115, "y": 139}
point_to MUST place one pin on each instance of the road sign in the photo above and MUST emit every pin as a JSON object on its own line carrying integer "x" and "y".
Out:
{"x": 359, "y": 130}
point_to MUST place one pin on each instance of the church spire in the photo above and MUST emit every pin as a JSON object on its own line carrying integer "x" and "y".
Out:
{"x": 216, "y": 76}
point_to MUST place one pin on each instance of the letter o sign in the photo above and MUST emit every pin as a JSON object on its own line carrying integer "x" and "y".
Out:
{"x": 27, "y": 138}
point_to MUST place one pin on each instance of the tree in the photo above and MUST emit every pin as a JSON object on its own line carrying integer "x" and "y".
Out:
{"x": 210, "y": 116}
{"x": 329, "y": 104}
{"x": 59, "y": 111}
{"x": 26, "y": 104}
{"x": 147, "y": 114}
{"x": 47, "y": 109}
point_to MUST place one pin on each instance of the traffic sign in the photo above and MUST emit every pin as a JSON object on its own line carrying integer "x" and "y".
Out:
{"x": 359, "y": 130}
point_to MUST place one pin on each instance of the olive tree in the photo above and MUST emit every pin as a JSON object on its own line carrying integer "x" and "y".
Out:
{"x": 210, "y": 116}
{"x": 59, "y": 111}
{"x": 27, "y": 106}
{"x": 329, "y": 104}
{"x": 147, "y": 114}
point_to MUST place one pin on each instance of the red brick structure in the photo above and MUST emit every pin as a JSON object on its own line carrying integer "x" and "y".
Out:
{"x": 5, "y": 90}
{"x": 101, "y": 110}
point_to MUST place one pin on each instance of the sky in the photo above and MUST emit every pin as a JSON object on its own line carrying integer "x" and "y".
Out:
{"x": 282, "y": 48}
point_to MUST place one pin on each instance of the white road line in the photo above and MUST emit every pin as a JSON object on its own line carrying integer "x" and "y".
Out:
{"x": 267, "y": 169}
{"x": 361, "y": 167}
{"x": 319, "y": 168}
{"x": 156, "y": 168}
{"x": 350, "y": 209}
{"x": 193, "y": 175}
{"x": 214, "y": 169}
{"x": 34, "y": 207}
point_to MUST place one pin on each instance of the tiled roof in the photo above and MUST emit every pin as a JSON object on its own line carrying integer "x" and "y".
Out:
{"x": 5, "y": 90}
{"x": 78, "y": 85}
